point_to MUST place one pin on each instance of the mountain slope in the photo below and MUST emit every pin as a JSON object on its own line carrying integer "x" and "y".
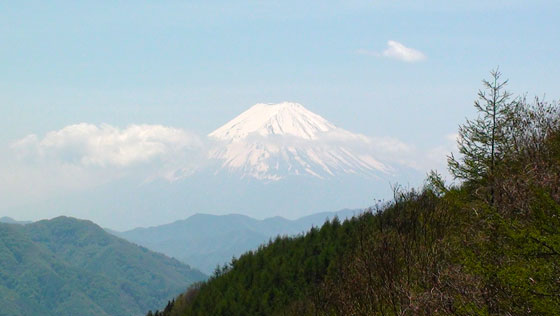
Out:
{"x": 273, "y": 141}
{"x": 206, "y": 241}
{"x": 274, "y": 119}
{"x": 66, "y": 266}
{"x": 35, "y": 282}
{"x": 487, "y": 246}
{"x": 437, "y": 251}
{"x": 9, "y": 220}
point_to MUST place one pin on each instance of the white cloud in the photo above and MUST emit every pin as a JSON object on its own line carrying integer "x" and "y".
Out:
{"x": 396, "y": 50}
{"x": 391, "y": 145}
{"x": 400, "y": 154}
{"x": 90, "y": 146}
{"x": 453, "y": 137}
{"x": 85, "y": 155}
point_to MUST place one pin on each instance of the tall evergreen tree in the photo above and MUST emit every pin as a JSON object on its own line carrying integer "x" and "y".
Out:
{"x": 483, "y": 141}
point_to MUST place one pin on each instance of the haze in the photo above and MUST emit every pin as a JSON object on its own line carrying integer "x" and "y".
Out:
{"x": 106, "y": 108}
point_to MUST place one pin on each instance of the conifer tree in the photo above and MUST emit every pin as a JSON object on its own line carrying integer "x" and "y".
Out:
{"x": 483, "y": 141}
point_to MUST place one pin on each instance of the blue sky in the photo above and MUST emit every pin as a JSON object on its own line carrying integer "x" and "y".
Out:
{"x": 195, "y": 65}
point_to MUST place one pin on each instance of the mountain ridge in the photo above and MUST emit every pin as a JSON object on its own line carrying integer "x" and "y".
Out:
{"x": 205, "y": 240}
{"x": 9, "y": 220}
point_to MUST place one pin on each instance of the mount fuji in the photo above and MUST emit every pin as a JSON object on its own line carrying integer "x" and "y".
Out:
{"x": 272, "y": 159}
{"x": 274, "y": 141}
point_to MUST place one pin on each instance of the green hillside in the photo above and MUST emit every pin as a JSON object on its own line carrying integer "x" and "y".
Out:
{"x": 69, "y": 267}
{"x": 489, "y": 245}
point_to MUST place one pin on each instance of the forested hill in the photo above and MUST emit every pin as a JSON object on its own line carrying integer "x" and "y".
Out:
{"x": 66, "y": 266}
{"x": 489, "y": 246}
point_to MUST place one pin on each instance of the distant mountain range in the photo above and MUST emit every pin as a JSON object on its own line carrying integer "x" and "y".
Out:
{"x": 66, "y": 266}
{"x": 9, "y": 220}
{"x": 272, "y": 159}
{"x": 205, "y": 241}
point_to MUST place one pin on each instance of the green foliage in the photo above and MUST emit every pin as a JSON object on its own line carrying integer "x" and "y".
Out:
{"x": 66, "y": 266}
{"x": 483, "y": 141}
{"x": 443, "y": 250}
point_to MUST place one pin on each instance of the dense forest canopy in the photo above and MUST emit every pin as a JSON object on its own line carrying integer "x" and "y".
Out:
{"x": 66, "y": 267}
{"x": 487, "y": 245}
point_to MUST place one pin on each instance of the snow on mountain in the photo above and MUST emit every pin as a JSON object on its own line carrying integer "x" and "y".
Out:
{"x": 274, "y": 119}
{"x": 272, "y": 141}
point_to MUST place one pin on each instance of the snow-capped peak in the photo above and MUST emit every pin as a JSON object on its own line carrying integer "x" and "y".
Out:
{"x": 290, "y": 140}
{"x": 286, "y": 118}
